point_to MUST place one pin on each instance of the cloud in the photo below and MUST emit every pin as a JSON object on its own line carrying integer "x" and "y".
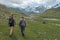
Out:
{"x": 15, "y": 5}
{"x": 31, "y": 3}
{"x": 27, "y": 1}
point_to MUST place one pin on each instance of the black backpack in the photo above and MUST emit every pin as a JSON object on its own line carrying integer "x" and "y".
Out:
{"x": 11, "y": 20}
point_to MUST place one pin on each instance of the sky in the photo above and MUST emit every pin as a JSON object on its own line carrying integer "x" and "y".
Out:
{"x": 24, "y": 3}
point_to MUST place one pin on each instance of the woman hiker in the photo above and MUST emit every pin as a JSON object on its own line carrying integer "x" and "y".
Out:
{"x": 11, "y": 25}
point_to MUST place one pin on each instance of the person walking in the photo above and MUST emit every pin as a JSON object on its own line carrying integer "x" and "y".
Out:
{"x": 11, "y": 25}
{"x": 22, "y": 25}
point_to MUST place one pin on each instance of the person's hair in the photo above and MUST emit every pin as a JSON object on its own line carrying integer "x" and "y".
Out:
{"x": 11, "y": 14}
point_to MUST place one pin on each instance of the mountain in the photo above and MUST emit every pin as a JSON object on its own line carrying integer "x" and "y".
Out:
{"x": 32, "y": 10}
{"x": 50, "y": 13}
{"x": 35, "y": 8}
{"x": 6, "y": 11}
{"x": 56, "y": 5}
{"x": 30, "y": 7}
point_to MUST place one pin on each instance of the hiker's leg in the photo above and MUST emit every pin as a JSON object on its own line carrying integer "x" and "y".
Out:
{"x": 22, "y": 30}
{"x": 11, "y": 30}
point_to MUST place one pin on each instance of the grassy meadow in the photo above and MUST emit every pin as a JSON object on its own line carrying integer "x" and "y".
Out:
{"x": 35, "y": 29}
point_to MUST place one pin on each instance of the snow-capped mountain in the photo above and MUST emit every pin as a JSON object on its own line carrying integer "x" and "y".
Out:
{"x": 34, "y": 9}
{"x": 32, "y": 6}
{"x": 57, "y": 5}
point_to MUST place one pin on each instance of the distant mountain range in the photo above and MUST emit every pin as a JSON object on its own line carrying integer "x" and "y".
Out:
{"x": 34, "y": 9}
{"x": 38, "y": 9}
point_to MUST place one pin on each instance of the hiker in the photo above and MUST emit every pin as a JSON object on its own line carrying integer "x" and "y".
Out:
{"x": 11, "y": 25}
{"x": 22, "y": 25}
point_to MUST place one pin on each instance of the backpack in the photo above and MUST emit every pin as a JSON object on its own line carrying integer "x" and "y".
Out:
{"x": 11, "y": 20}
{"x": 22, "y": 23}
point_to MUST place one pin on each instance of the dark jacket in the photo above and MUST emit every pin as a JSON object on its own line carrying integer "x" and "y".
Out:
{"x": 22, "y": 23}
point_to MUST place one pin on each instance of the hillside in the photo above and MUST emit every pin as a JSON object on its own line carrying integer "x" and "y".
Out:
{"x": 52, "y": 13}
{"x": 37, "y": 28}
{"x": 8, "y": 11}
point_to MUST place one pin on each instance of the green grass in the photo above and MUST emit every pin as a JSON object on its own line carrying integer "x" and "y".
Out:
{"x": 35, "y": 30}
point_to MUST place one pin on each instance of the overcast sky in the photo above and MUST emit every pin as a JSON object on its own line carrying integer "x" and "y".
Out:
{"x": 23, "y": 3}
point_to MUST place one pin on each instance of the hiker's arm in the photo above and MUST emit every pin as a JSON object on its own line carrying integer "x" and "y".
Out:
{"x": 14, "y": 21}
{"x": 8, "y": 21}
{"x": 25, "y": 23}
